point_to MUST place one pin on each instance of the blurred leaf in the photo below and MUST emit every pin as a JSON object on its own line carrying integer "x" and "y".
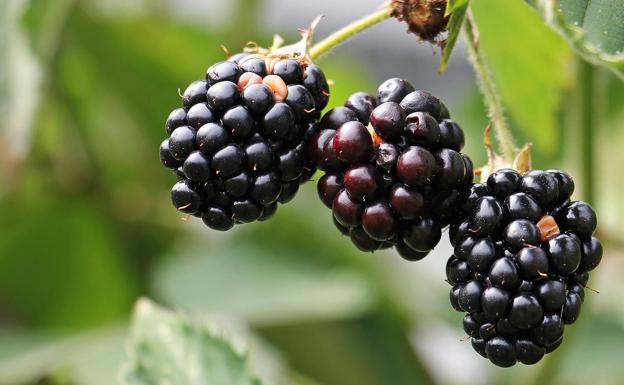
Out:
{"x": 457, "y": 11}
{"x": 372, "y": 350}
{"x": 95, "y": 357}
{"x": 247, "y": 280}
{"x": 59, "y": 265}
{"x": 362, "y": 342}
{"x": 20, "y": 79}
{"x": 594, "y": 28}
{"x": 168, "y": 348}
{"x": 44, "y": 20}
{"x": 528, "y": 63}
{"x": 16, "y": 341}
{"x": 90, "y": 358}
{"x": 298, "y": 379}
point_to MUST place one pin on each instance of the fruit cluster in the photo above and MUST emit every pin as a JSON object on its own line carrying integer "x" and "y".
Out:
{"x": 238, "y": 145}
{"x": 522, "y": 253}
{"x": 250, "y": 134}
{"x": 394, "y": 174}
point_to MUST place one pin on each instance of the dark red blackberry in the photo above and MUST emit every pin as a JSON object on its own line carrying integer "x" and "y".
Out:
{"x": 393, "y": 177}
{"x": 522, "y": 252}
{"x": 239, "y": 144}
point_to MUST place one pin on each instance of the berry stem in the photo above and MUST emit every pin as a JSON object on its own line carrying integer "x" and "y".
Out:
{"x": 348, "y": 31}
{"x": 488, "y": 89}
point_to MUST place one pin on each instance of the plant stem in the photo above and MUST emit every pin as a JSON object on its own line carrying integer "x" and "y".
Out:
{"x": 587, "y": 120}
{"x": 348, "y": 31}
{"x": 488, "y": 89}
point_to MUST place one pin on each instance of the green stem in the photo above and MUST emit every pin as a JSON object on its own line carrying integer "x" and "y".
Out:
{"x": 587, "y": 120}
{"x": 488, "y": 89}
{"x": 348, "y": 31}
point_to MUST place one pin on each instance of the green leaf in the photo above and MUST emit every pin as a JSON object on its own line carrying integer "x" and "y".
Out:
{"x": 454, "y": 5}
{"x": 457, "y": 11}
{"x": 595, "y": 28}
{"x": 167, "y": 348}
{"x": 529, "y": 63}
{"x": 95, "y": 356}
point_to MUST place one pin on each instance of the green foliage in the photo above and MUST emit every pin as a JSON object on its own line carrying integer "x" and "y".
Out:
{"x": 528, "y": 63}
{"x": 168, "y": 348}
{"x": 593, "y": 28}
{"x": 44, "y": 21}
{"x": 454, "y": 5}
{"x": 75, "y": 274}
{"x": 456, "y": 10}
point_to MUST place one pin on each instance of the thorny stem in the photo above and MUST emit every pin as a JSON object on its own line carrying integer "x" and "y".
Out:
{"x": 488, "y": 89}
{"x": 348, "y": 31}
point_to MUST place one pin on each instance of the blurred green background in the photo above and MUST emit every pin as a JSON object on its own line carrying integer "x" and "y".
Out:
{"x": 86, "y": 226}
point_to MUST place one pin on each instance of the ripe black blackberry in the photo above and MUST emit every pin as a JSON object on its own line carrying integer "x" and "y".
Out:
{"x": 239, "y": 143}
{"x": 522, "y": 251}
{"x": 394, "y": 172}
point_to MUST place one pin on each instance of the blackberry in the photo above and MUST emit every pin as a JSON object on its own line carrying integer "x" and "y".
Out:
{"x": 522, "y": 253}
{"x": 238, "y": 145}
{"x": 393, "y": 176}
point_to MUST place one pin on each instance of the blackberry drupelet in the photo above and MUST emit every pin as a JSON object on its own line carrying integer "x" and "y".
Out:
{"x": 394, "y": 174}
{"x": 522, "y": 251}
{"x": 238, "y": 146}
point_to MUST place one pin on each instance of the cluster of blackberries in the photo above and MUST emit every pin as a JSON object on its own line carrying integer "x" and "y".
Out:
{"x": 522, "y": 253}
{"x": 394, "y": 172}
{"x": 249, "y": 135}
{"x": 239, "y": 143}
